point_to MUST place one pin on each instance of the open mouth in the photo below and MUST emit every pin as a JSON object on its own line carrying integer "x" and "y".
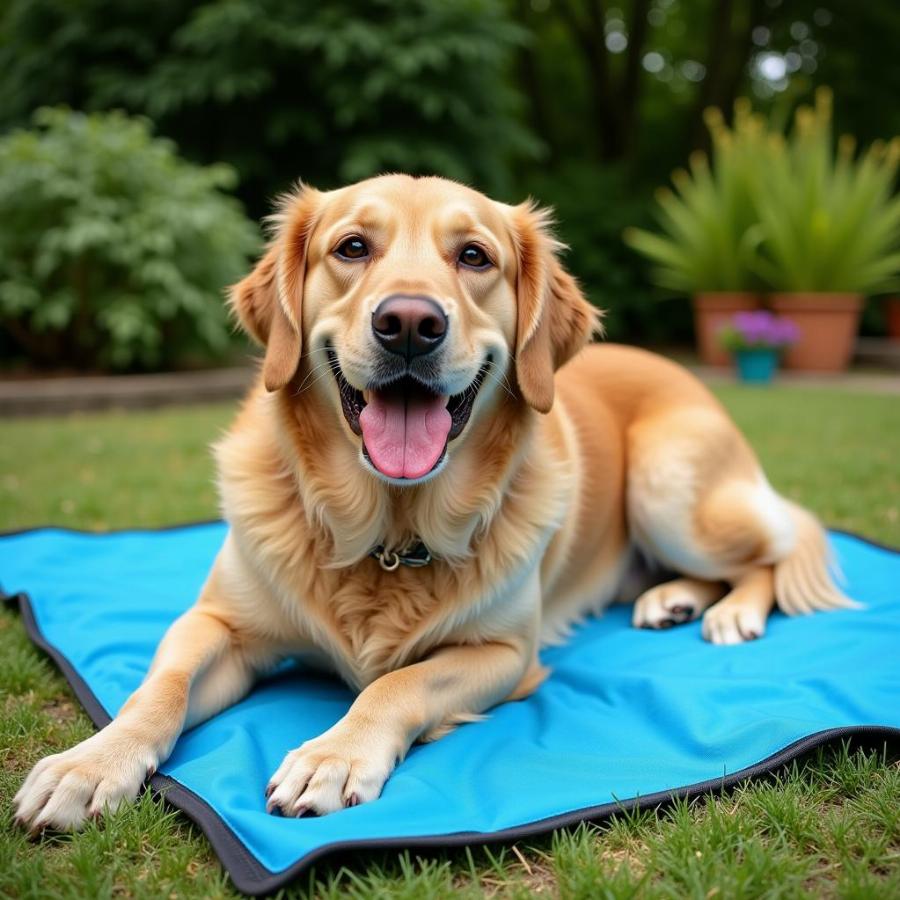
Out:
{"x": 406, "y": 424}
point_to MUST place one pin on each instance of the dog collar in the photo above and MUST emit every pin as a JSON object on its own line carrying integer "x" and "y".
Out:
{"x": 414, "y": 555}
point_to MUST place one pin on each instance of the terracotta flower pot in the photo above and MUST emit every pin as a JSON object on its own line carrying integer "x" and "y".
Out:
{"x": 892, "y": 308}
{"x": 828, "y": 324}
{"x": 712, "y": 311}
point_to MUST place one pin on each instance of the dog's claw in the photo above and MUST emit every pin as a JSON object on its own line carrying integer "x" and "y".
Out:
{"x": 353, "y": 799}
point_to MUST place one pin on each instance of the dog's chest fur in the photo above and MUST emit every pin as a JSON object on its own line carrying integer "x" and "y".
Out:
{"x": 488, "y": 527}
{"x": 374, "y": 621}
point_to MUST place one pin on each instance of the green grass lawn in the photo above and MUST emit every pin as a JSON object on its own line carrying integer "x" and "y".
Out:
{"x": 828, "y": 827}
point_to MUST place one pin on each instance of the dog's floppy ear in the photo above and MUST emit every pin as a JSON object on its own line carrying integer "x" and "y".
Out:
{"x": 268, "y": 302}
{"x": 554, "y": 319}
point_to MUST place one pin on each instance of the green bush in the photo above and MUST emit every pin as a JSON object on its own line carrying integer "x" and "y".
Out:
{"x": 114, "y": 252}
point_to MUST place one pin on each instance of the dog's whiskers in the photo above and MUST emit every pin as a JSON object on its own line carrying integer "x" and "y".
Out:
{"x": 312, "y": 384}
{"x": 314, "y": 371}
{"x": 306, "y": 380}
{"x": 501, "y": 380}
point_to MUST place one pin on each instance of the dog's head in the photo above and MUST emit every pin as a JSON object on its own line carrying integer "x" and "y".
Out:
{"x": 411, "y": 305}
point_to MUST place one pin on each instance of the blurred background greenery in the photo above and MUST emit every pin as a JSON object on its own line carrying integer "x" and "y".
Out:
{"x": 587, "y": 105}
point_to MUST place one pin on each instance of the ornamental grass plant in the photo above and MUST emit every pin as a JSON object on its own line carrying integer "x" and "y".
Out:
{"x": 709, "y": 222}
{"x": 771, "y": 212}
{"x": 829, "y": 221}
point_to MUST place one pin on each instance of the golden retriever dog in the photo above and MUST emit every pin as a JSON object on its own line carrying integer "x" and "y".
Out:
{"x": 433, "y": 476}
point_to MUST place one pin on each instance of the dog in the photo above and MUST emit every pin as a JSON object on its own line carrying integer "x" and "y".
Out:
{"x": 432, "y": 476}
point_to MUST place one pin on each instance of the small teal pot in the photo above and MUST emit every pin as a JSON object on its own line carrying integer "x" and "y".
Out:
{"x": 757, "y": 366}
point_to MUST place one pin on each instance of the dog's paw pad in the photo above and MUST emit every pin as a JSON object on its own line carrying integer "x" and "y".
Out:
{"x": 682, "y": 613}
{"x": 663, "y": 606}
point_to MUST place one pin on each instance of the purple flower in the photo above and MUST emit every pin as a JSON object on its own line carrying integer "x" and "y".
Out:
{"x": 758, "y": 329}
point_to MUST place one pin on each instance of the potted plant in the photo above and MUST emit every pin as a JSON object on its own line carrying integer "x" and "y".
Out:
{"x": 756, "y": 340}
{"x": 830, "y": 233}
{"x": 818, "y": 229}
{"x": 892, "y": 314}
{"x": 709, "y": 230}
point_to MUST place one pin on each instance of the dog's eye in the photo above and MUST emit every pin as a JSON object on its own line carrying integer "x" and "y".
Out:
{"x": 474, "y": 257}
{"x": 353, "y": 248}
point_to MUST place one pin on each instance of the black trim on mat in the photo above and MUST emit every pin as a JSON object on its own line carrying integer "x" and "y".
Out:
{"x": 251, "y": 877}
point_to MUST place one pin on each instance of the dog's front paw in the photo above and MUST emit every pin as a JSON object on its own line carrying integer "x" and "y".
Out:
{"x": 94, "y": 776}
{"x": 343, "y": 767}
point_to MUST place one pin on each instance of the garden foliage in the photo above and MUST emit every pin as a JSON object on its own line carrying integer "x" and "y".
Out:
{"x": 114, "y": 252}
{"x": 584, "y": 106}
{"x": 283, "y": 89}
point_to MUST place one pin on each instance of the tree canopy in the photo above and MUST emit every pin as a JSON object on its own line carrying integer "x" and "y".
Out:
{"x": 585, "y": 104}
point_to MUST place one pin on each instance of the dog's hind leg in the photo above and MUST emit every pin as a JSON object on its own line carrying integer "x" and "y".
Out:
{"x": 777, "y": 552}
{"x": 699, "y": 503}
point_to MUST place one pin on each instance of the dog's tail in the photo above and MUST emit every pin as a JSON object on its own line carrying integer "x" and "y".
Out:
{"x": 806, "y": 579}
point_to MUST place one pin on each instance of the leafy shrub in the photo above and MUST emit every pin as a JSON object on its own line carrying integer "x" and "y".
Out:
{"x": 114, "y": 251}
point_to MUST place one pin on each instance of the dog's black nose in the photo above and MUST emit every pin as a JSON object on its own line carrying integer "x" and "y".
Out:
{"x": 409, "y": 326}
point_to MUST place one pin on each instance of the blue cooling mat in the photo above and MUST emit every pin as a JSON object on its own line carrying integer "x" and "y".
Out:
{"x": 627, "y": 718}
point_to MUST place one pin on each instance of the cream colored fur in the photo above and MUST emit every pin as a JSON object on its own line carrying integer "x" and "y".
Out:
{"x": 576, "y": 464}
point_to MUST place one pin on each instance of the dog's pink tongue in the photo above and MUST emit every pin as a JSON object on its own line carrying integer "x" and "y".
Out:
{"x": 405, "y": 436}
